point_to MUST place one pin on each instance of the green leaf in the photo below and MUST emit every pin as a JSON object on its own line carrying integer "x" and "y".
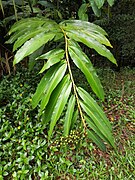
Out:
{"x": 96, "y": 129}
{"x": 93, "y": 106}
{"x": 57, "y": 77}
{"x": 91, "y": 43}
{"x": 53, "y": 56}
{"x": 32, "y": 45}
{"x": 95, "y": 8}
{"x": 27, "y": 23}
{"x": 83, "y": 63}
{"x": 26, "y": 36}
{"x": 99, "y": 3}
{"x": 110, "y": 2}
{"x": 74, "y": 119}
{"x": 82, "y": 25}
{"x": 96, "y": 140}
{"x": 69, "y": 115}
{"x": 62, "y": 100}
{"x": 43, "y": 85}
{"x": 99, "y": 123}
{"x": 33, "y": 56}
{"x": 54, "y": 98}
{"x": 82, "y": 12}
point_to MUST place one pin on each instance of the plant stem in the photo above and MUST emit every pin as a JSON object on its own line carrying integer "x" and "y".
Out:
{"x": 74, "y": 86}
{"x": 2, "y": 9}
{"x": 16, "y": 17}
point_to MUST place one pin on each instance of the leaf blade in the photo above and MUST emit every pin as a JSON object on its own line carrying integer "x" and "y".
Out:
{"x": 32, "y": 45}
{"x": 69, "y": 115}
{"x": 83, "y": 63}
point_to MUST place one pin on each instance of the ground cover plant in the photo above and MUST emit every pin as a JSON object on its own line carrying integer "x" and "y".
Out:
{"x": 26, "y": 152}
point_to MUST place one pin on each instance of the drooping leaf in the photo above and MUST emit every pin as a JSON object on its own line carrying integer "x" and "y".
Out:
{"x": 82, "y": 12}
{"x": 33, "y": 56}
{"x": 57, "y": 77}
{"x": 25, "y": 23}
{"x": 74, "y": 119}
{"x": 95, "y": 8}
{"x": 96, "y": 140}
{"x": 82, "y": 25}
{"x": 92, "y": 126}
{"x": 94, "y": 106}
{"x": 83, "y": 63}
{"x": 91, "y": 33}
{"x": 32, "y": 45}
{"x": 58, "y": 109}
{"x": 42, "y": 86}
{"x": 26, "y": 36}
{"x": 69, "y": 115}
{"x": 53, "y": 56}
{"x": 91, "y": 43}
{"x": 100, "y": 124}
{"x": 99, "y": 3}
{"x": 110, "y": 2}
{"x": 54, "y": 98}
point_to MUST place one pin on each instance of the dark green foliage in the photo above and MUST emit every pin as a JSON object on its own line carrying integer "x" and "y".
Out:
{"x": 121, "y": 30}
{"x": 27, "y": 154}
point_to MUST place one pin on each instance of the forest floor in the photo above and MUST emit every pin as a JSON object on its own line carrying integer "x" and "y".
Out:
{"x": 26, "y": 154}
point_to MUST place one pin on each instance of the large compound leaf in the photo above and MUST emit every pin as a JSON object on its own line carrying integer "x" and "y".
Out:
{"x": 57, "y": 77}
{"x": 69, "y": 115}
{"x": 32, "y": 45}
{"x": 59, "y": 107}
{"x": 83, "y": 63}
{"x": 53, "y": 56}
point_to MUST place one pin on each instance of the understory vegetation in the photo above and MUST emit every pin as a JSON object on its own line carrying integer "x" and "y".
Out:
{"x": 26, "y": 152}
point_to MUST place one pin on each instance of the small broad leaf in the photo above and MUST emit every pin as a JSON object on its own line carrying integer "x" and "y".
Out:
{"x": 99, "y": 3}
{"x": 57, "y": 77}
{"x": 96, "y": 140}
{"x": 82, "y": 12}
{"x": 53, "y": 56}
{"x": 32, "y": 45}
{"x": 110, "y": 2}
{"x": 69, "y": 115}
{"x": 54, "y": 98}
{"x": 95, "y": 8}
{"x": 62, "y": 100}
{"x": 83, "y": 63}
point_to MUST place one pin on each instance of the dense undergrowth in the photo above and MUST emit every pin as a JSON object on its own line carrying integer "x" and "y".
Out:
{"x": 26, "y": 153}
